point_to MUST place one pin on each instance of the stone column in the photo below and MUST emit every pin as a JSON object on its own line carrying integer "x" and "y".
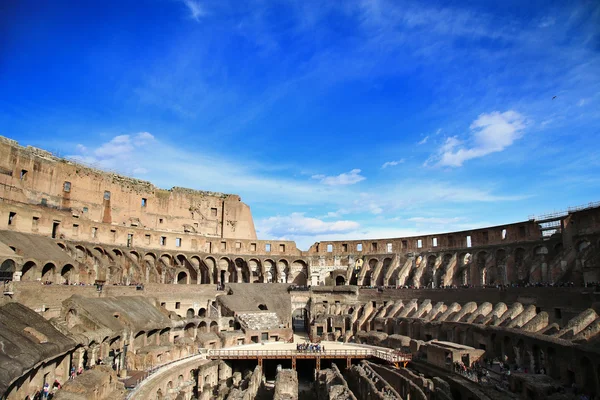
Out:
{"x": 77, "y": 358}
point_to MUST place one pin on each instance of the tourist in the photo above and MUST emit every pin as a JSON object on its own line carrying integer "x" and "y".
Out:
{"x": 46, "y": 390}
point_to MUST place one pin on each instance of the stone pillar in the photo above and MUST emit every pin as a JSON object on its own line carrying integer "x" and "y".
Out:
{"x": 77, "y": 358}
{"x": 226, "y": 276}
{"x": 92, "y": 356}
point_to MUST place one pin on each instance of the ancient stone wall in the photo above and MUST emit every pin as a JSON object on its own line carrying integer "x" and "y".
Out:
{"x": 286, "y": 385}
{"x": 55, "y": 189}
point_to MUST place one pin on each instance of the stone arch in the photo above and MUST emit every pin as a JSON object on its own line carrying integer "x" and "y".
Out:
{"x": 298, "y": 273}
{"x": 211, "y": 266}
{"x": 255, "y": 268}
{"x": 202, "y": 312}
{"x": 7, "y": 269}
{"x": 203, "y": 272}
{"x": 190, "y": 313}
{"x": 203, "y": 327}
{"x": 243, "y": 270}
{"x": 440, "y": 275}
{"x": 29, "y": 271}
{"x": 167, "y": 259}
{"x": 282, "y": 271}
{"x": 135, "y": 256}
{"x": 427, "y": 278}
{"x": 231, "y": 268}
{"x": 340, "y": 280}
{"x": 182, "y": 278}
{"x": 80, "y": 253}
{"x": 381, "y": 281}
{"x": 189, "y": 330}
{"x": 478, "y": 269}
{"x": 497, "y": 274}
{"x": 48, "y": 272}
{"x": 214, "y": 327}
{"x": 139, "y": 339}
{"x": 68, "y": 273}
{"x": 520, "y": 267}
{"x": 269, "y": 271}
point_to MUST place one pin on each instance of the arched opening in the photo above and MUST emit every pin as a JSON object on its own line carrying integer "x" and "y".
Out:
{"x": 242, "y": 267}
{"x": 270, "y": 274}
{"x": 29, "y": 271}
{"x": 7, "y": 269}
{"x": 255, "y": 270}
{"x": 214, "y": 327}
{"x": 283, "y": 271}
{"x": 189, "y": 330}
{"x": 182, "y": 278}
{"x": 211, "y": 268}
{"x": 383, "y": 278}
{"x": 67, "y": 273}
{"x": 203, "y": 327}
{"x": 427, "y": 275}
{"x": 202, "y": 313}
{"x": 190, "y": 313}
{"x": 262, "y": 307}
{"x": 48, "y": 272}
{"x": 340, "y": 280}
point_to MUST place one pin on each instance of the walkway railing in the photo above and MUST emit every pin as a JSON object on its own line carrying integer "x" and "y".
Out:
{"x": 391, "y": 357}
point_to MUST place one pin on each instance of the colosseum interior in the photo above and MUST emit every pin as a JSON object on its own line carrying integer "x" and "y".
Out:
{"x": 114, "y": 289}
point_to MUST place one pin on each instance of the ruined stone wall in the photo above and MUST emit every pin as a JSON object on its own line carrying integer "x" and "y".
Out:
{"x": 286, "y": 385}
{"x": 248, "y": 388}
{"x": 331, "y": 385}
{"x": 365, "y": 383}
{"x": 54, "y": 189}
{"x": 497, "y": 235}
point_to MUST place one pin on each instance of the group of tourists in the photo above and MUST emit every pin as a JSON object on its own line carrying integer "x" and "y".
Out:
{"x": 476, "y": 372}
{"x": 310, "y": 347}
{"x": 47, "y": 391}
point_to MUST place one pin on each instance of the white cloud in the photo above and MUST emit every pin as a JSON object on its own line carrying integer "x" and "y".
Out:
{"x": 424, "y": 140}
{"x": 349, "y": 178}
{"x": 195, "y": 8}
{"x": 490, "y": 133}
{"x": 296, "y": 224}
{"x": 582, "y": 102}
{"x": 392, "y": 163}
{"x": 434, "y": 220}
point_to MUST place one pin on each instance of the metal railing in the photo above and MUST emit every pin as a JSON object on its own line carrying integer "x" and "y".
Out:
{"x": 344, "y": 353}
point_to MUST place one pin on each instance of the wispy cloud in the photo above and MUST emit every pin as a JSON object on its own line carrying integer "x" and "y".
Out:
{"x": 490, "y": 133}
{"x": 195, "y": 8}
{"x": 297, "y": 224}
{"x": 423, "y": 141}
{"x": 346, "y": 178}
{"x": 392, "y": 163}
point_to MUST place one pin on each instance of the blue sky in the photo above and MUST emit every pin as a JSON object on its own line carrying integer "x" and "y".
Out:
{"x": 333, "y": 120}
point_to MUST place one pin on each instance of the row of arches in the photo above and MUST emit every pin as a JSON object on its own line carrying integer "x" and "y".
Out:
{"x": 34, "y": 271}
{"x": 500, "y": 266}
